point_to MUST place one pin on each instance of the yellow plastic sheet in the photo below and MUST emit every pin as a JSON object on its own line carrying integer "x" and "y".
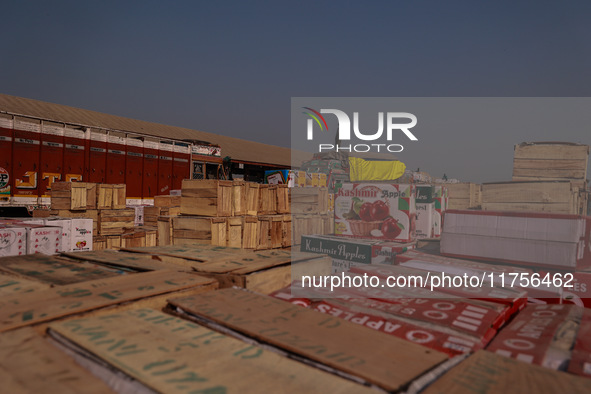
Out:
{"x": 369, "y": 170}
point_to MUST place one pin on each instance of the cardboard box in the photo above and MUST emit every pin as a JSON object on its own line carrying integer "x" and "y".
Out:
{"x": 81, "y": 236}
{"x": 13, "y": 240}
{"x": 541, "y": 335}
{"x": 425, "y": 215}
{"x": 43, "y": 239}
{"x": 356, "y": 250}
{"x": 539, "y": 239}
{"x": 376, "y": 210}
{"x": 66, "y": 226}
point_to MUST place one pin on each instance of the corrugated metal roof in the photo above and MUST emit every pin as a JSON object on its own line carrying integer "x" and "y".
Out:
{"x": 236, "y": 148}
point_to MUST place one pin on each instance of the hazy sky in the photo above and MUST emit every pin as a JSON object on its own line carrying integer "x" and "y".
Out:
{"x": 231, "y": 67}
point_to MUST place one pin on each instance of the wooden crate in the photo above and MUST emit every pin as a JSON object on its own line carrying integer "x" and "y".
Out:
{"x": 151, "y": 214}
{"x": 234, "y": 228}
{"x": 165, "y": 230}
{"x": 250, "y": 233}
{"x": 263, "y": 232}
{"x": 90, "y": 195}
{"x": 119, "y": 196}
{"x": 262, "y": 271}
{"x": 362, "y": 352}
{"x": 267, "y": 200}
{"x": 286, "y": 227}
{"x": 113, "y": 242}
{"x": 550, "y": 196}
{"x": 283, "y": 205}
{"x": 463, "y": 195}
{"x": 99, "y": 242}
{"x": 167, "y": 201}
{"x": 252, "y": 198}
{"x": 195, "y": 229}
{"x": 104, "y": 196}
{"x": 133, "y": 239}
{"x": 551, "y": 161}
{"x": 206, "y": 198}
{"x": 309, "y": 200}
{"x": 309, "y": 225}
{"x": 126, "y": 291}
{"x": 238, "y": 198}
{"x": 69, "y": 195}
{"x": 113, "y": 221}
{"x": 27, "y": 354}
{"x": 151, "y": 236}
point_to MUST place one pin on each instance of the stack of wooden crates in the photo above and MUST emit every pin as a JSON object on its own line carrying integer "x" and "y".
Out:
{"x": 233, "y": 213}
{"x": 105, "y": 204}
{"x": 547, "y": 177}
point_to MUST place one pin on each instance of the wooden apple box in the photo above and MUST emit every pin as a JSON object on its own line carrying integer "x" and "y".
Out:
{"x": 206, "y": 197}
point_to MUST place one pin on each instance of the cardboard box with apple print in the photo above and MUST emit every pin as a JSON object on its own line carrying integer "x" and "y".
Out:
{"x": 376, "y": 210}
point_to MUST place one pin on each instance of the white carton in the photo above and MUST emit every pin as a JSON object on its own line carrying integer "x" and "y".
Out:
{"x": 13, "y": 240}
{"x": 425, "y": 220}
{"x": 66, "y": 226}
{"x": 43, "y": 239}
{"x": 81, "y": 238}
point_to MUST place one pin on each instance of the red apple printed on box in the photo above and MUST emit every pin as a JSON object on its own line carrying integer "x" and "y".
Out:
{"x": 374, "y": 210}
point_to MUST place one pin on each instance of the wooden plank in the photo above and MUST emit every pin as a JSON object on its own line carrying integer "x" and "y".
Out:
{"x": 58, "y": 302}
{"x": 206, "y": 197}
{"x": 53, "y": 270}
{"x": 187, "y": 254}
{"x": 91, "y": 195}
{"x": 544, "y": 164}
{"x": 551, "y": 151}
{"x": 171, "y": 355}
{"x": 11, "y": 285}
{"x": 119, "y": 196}
{"x": 164, "y": 230}
{"x": 526, "y": 192}
{"x": 78, "y": 198}
{"x": 528, "y": 207}
{"x": 111, "y": 258}
{"x": 486, "y": 372}
{"x": 234, "y": 227}
{"x": 104, "y": 199}
{"x": 551, "y": 173}
{"x": 388, "y": 362}
{"x": 252, "y": 198}
{"x": 113, "y": 242}
{"x": 29, "y": 364}
{"x": 238, "y": 198}
{"x": 167, "y": 201}
{"x": 579, "y": 183}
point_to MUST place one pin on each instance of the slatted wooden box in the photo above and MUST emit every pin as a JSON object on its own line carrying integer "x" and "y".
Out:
{"x": 206, "y": 198}
{"x": 309, "y": 200}
{"x": 76, "y": 196}
{"x": 195, "y": 229}
{"x": 167, "y": 201}
{"x": 252, "y": 198}
{"x": 238, "y": 198}
{"x": 464, "y": 195}
{"x": 536, "y": 196}
{"x": 114, "y": 221}
{"x": 544, "y": 161}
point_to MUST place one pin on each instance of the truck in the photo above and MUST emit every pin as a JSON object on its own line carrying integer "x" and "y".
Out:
{"x": 35, "y": 152}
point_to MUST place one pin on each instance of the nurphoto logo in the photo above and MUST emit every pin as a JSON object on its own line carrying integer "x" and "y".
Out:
{"x": 391, "y": 119}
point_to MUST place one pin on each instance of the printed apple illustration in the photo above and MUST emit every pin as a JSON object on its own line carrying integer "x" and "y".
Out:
{"x": 379, "y": 210}
{"x": 365, "y": 212}
{"x": 391, "y": 228}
